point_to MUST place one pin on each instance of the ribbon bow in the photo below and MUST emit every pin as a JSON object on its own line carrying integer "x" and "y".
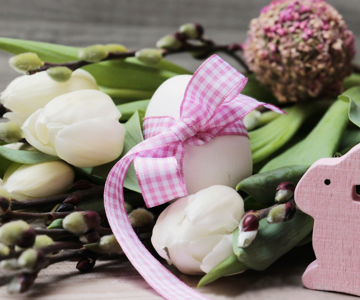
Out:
{"x": 212, "y": 106}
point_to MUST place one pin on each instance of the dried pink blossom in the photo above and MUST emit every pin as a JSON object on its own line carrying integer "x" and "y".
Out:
{"x": 300, "y": 49}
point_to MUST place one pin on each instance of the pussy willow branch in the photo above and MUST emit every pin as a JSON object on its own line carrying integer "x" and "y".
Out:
{"x": 92, "y": 192}
{"x": 187, "y": 47}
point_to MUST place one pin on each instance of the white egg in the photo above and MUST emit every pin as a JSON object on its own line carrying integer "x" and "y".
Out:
{"x": 225, "y": 160}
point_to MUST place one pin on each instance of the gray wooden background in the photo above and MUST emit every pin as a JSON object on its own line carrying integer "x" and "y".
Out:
{"x": 134, "y": 23}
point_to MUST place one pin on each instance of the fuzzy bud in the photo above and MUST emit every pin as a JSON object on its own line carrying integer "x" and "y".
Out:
{"x": 149, "y": 56}
{"x": 26, "y": 62}
{"x": 4, "y": 250}
{"x": 282, "y": 213}
{"x": 85, "y": 264}
{"x": 109, "y": 244}
{"x": 21, "y": 283}
{"x": 93, "y": 53}
{"x": 81, "y": 222}
{"x": 192, "y": 30}
{"x": 115, "y": 48}
{"x": 128, "y": 207}
{"x": 9, "y": 264}
{"x": 59, "y": 74}
{"x": 43, "y": 241}
{"x": 141, "y": 217}
{"x": 10, "y": 132}
{"x": 284, "y": 192}
{"x": 248, "y": 229}
{"x": 169, "y": 42}
{"x": 28, "y": 258}
{"x": 17, "y": 233}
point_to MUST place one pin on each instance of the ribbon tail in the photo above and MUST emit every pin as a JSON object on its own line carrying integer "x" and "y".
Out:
{"x": 158, "y": 277}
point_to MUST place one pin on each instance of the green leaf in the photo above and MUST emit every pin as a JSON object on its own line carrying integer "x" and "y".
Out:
{"x": 255, "y": 89}
{"x": 56, "y": 224}
{"x": 273, "y": 241}
{"x": 128, "y": 109}
{"x": 353, "y": 97}
{"x": 229, "y": 266}
{"x": 323, "y": 140}
{"x": 25, "y": 157}
{"x": 4, "y": 164}
{"x": 123, "y": 73}
{"x": 263, "y": 186}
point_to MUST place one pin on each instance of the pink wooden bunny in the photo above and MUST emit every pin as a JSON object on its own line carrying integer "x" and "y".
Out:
{"x": 330, "y": 193}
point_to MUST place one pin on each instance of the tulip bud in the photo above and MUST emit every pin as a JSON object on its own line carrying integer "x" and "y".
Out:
{"x": 80, "y": 127}
{"x": 21, "y": 283}
{"x": 93, "y": 53}
{"x": 31, "y": 258}
{"x": 109, "y": 244}
{"x": 17, "y": 233}
{"x": 60, "y": 74}
{"x": 43, "y": 241}
{"x": 149, "y": 56}
{"x": 248, "y": 229}
{"x": 10, "y": 132}
{"x": 26, "y": 62}
{"x": 10, "y": 264}
{"x": 168, "y": 42}
{"x": 26, "y": 94}
{"x": 284, "y": 192}
{"x": 115, "y": 48}
{"x": 188, "y": 225}
{"x": 25, "y": 182}
{"x": 192, "y": 30}
{"x": 140, "y": 217}
{"x": 4, "y": 250}
{"x": 85, "y": 264}
{"x": 81, "y": 222}
{"x": 252, "y": 119}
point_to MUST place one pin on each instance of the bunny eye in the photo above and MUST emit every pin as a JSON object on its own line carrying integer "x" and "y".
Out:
{"x": 327, "y": 181}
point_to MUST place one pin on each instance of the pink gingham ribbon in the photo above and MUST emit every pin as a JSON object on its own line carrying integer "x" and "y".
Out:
{"x": 212, "y": 106}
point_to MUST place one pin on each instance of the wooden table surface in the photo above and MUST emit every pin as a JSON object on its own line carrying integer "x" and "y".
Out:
{"x": 138, "y": 24}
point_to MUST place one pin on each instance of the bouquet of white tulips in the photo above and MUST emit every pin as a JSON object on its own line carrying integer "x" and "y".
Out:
{"x": 75, "y": 112}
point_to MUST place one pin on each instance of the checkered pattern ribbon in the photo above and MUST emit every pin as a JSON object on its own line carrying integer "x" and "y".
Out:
{"x": 212, "y": 106}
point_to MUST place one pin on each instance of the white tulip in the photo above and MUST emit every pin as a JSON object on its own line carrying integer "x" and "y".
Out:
{"x": 195, "y": 232}
{"x": 80, "y": 127}
{"x": 24, "y": 182}
{"x": 26, "y": 94}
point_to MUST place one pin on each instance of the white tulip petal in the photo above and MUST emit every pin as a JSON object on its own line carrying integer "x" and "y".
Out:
{"x": 31, "y": 135}
{"x": 225, "y": 201}
{"x": 26, "y": 94}
{"x": 219, "y": 253}
{"x": 182, "y": 258}
{"x": 90, "y": 143}
{"x": 78, "y": 106}
{"x": 201, "y": 247}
